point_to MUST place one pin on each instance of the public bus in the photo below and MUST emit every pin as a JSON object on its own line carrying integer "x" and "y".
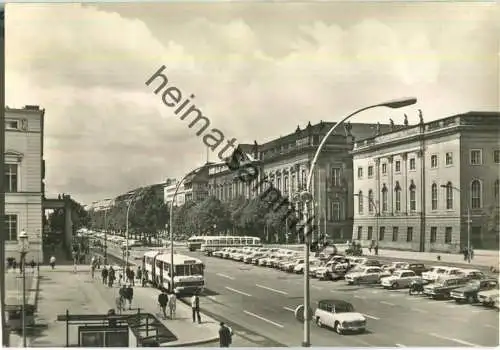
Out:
{"x": 188, "y": 272}
{"x": 213, "y": 243}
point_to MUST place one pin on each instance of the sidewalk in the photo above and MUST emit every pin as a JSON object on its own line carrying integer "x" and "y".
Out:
{"x": 481, "y": 258}
{"x": 14, "y": 287}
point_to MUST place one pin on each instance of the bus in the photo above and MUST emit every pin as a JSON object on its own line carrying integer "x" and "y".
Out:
{"x": 213, "y": 243}
{"x": 188, "y": 272}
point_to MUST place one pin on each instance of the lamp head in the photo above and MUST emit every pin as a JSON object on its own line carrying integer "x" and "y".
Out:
{"x": 23, "y": 242}
{"x": 399, "y": 103}
{"x": 305, "y": 196}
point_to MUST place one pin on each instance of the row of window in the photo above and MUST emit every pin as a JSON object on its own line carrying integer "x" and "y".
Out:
{"x": 409, "y": 234}
{"x": 475, "y": 158}
{"x": 397, "y": 200}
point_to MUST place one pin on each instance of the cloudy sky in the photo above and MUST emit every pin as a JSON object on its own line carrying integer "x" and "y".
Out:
{"x": 257, "y": 70}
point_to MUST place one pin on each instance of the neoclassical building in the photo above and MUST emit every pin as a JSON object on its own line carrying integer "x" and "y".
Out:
{"x": 414, "y": 185}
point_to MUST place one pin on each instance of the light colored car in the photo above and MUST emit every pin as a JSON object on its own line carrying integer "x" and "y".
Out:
{"x": 323, "y": 269}
{"x": 399, "y": 279}
{"x": 396, "y": 265}
{"x": 340, "y": 316}
{"x": 369, "y": 275}
{"x": 437, "y": 272}
{"x": 299, "y": 268}
{"x": 489, "y": 297}
{"x": 473, "y": 274}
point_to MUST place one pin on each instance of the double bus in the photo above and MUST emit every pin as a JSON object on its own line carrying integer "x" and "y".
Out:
{"x": 188, "y": 272}
{"x": 213, "y": 243}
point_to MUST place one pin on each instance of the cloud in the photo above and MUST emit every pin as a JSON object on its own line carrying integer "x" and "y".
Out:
{"x": 257, "y": 71}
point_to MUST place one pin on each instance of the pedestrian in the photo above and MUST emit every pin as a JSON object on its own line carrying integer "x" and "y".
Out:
{"x": 52, "y": 262}
{"x": 122, "y": 291}
{"x": 131, "y": 278}
{"x": 111, "y": 276}
{"x": 195, "y": 307}
{"x": 162, "y": 301}
{"x": 120, "y": 276}
{"x": 104, "y": 275}
{"x": 139, "y": 274}
{"x": 145, "y": 278}
{"x": 172, "y": 304}
{"x": 225, "y": 336}
{"x": 129, "y": 295}
{"x": 376, "y": 249}
{"x": 471, "y": 253}
{"x": 98, "y": 262}
{"x": 465, "y": 251}
{"x": 33, "y": 264}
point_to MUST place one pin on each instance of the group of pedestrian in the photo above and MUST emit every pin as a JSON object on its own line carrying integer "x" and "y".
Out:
{"x": 12, "y": 264}
{"x": 373, "y": 246}
{"x": 167, "y": 301}
{"x": 108, "y": 276}
{"x": 468, "y": 253}
{"x": 130, "y": 275}
{"x": 126, "y": 293}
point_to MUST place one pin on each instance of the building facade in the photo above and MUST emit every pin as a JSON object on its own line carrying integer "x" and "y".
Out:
{"x": 194, "y": 187}
{"x": 414, "y": 186}
{"x": 24, "y": 179}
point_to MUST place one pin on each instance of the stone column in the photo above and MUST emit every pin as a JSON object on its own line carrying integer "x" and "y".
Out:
{"x": 68, "y": 224}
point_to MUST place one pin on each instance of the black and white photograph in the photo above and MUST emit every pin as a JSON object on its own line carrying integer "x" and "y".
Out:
{"x": 250, "y": 174}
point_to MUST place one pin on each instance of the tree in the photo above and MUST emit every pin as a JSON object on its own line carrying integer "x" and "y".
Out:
{"x": 210, "y": 215}
{"x": 148, "y": 214}
{"x": 235, "y": 209}
{"x": 252, "y": 217}
{"x": 79, "y": 217}
{"x": 182, "y": 219}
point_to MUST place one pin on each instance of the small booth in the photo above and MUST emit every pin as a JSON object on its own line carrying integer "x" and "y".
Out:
{"x": 15, "y": 316}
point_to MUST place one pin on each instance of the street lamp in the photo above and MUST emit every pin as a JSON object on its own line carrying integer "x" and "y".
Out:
{"x": 377, "y": 213}
{"x": 469, "y": 221}
{"x": 126, "y": 224}
{"x": 399, "y": 103}
{"x": 23, "y": 250}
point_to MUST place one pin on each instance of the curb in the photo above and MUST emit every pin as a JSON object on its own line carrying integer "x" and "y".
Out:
{"x": 190, "y": 343}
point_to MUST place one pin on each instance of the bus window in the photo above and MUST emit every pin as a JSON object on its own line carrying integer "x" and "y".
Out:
{"x": 216, "y": 241}
{"x": 248, "y": 241}
{"x": 166, "y": 267}
{"x": 182, "y": 270}
{"x": 223, "y": 241}
{"x": 230, "y": 241}
{"x": 158, "y": 264}
{"x": 197, "y": 269}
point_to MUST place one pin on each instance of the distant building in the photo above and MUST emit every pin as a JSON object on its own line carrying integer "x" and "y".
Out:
{"x": 24, "y": 179}
{"x": 194, "y": 187}
{"x": 101, "y": 205}
{"x": 398, "y": 179}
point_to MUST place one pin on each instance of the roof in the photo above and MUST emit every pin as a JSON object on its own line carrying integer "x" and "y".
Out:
{"x": 335, "y": 302}
{"x": 178, "y": 259}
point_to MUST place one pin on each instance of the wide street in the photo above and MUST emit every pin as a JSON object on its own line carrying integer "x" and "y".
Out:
{"x": 262, "y": 300}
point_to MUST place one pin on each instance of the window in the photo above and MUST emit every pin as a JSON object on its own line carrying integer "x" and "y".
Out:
{"x": 335, "y": 211}
{"x": 398, "y": 166}
{"x": 11, "y": 223}
{"x": 475, "y": 189}
{"x": 397, "y": 198}
{"x": 360, "y": 202}
{"x": 449, "y": 196}
{"x": 434, "y": 197}
{"x": 409, "y": 234}
{"x": 434, "y": 234}
{"x": 370, "y": 233}
{"x": 434, "y": 161}
{"x": 449, "y": 158}
{"x": 496, "y": 190}
{"x": 11, "y": 175}
{"x": 285, "y": 183}
{"x": 384, "y": 168}
{"x": 370, "y": 201}
{"x": 384, "y": 199}
{"x": 12, "y": 125}
{"x": 412, "y": 164}
{"x": 370, "y": 171}
{"x": 336, "y": 176}
{"x": 496, "y": 156}
{"x": 476, "y": 157}
{"x": 360, "y": 232}
{"x": 395, "y": 232}
{"x": 447, "y": 235}
{"x": 303, "y": 178}
{"x": 360, "y": 173}
{"x": 381, "y": 233}
{"x": 278, "y": 183}
{"x": 413, "y": 198}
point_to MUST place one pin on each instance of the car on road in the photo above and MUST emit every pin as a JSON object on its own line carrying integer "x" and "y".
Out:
{"x": 436, "y": 272}
{"x": 340, "y": 316}
{"x": 469, "y": 292}
{"x": 473, "y": 274}
{"x": 250, "y": 257}
{"x": 366, "y": 274}
{"x": 489, "y": 297}
{"x": 299, "y": 268}
{"x": 442, "y": 287}
{"x": 418, "y": 268}
{"x": 399, "y": 279}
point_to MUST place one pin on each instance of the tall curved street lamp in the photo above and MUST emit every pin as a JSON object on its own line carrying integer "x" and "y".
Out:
{"x": 23, "y": 250}
{"x": 126, "y": 224}
{"x": 399, "y": 103}
{"x": 377, "y": 212}
{"x": 171, "y": 214}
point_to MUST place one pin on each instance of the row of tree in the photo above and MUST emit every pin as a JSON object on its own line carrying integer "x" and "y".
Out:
{"x": 149, "y": 216}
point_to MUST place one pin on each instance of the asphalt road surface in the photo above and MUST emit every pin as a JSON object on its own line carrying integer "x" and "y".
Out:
{"x": 261, "y": 301}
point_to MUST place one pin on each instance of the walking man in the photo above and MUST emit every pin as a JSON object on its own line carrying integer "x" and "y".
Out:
{"x": 104, "y": 275}
{"x": 129, "y": 295}
{"x": 162, "y": 301}
{"x": 195, "y": 307}
{"x": 111, "y": 276}
{"x": 225, "y": 336}
{"x": 172, "y": 304}
{"x": 52, "y": 262}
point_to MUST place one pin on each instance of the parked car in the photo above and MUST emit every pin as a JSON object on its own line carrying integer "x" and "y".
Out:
{"x": 436, "y": 272}
{"x": 469, "y": 292}
{"x": 473, "y": 274}
{"x": 370, "y": 275}
{"x": 442, "y": 288}
{"x": 370, "y": 262}
{"x": 397, "y": 265}
{"x": 418, "y": 268}
{"x": 399, "y": 279}
{"x": 338, "y": 272}
{"x": 340, "y": 316}
{"x": 489, "y": 297}
{"x": 299, "y": 268}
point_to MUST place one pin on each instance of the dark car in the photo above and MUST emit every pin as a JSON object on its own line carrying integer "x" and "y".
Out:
{"x": 468, "y": 293}
{"x": 417, "y": 268}
{"x": 373, "y": 263}
{"x": 442, "y": 288}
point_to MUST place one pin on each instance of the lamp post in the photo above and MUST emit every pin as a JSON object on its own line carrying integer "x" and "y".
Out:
{"x": 126, "y": 225}
{"x": 399, "y": 103}
{"x": 171, "y": 219}
{"x": 469, "y": 221}
{"x": 23, "y": 250}
{"x": 105, "y": 237}
{"x": 377, "y": 213}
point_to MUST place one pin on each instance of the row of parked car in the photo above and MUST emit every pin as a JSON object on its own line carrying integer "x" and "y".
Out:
{"x": 438, "y": 282}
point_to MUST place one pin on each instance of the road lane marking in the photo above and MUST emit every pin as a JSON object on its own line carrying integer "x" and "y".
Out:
{"x": 419, "y": 310}
{"x": 263, "y": 319}
{"x": 225, "y": 276}
{"x": 358, "y": 297}
{"x": 459, "y": 341}
{"x": 372, "y": 317}
{"x": 400, "y": 345}
{"x": 238, "y": 291}
{"x": 211, "y": 297}
{"x": 387, "y": 303}
{"x": 288, "y": 308}
{"x": 272, "y": 289}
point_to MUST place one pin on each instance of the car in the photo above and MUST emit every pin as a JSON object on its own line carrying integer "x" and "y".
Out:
{"x": 418, "y": 268}
{"x": 489, "y": 297}
{"x": 397, "y": 265}
{"x": 299, "y": 268}
{"x": 289, "y": 266}
{"x": 320, "y": 270}
{"x": 442, "y": 287}
{"x": 436, "y": 272}
{"x": 370, "y": 262}
{"x": 473, "y": 274}
{"x": 470, "y": 291}
{"x": 340, "y": 316}
{"x": 248, "y": 259}
{"x": 399, "y": 279}
{"x": 365, "y": 274}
